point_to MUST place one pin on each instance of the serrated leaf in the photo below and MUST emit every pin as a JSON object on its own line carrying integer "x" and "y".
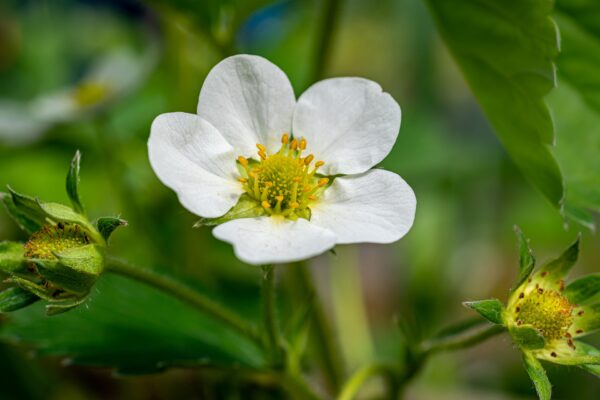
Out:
{"x": 491, "y": 309}
{"x": 132, "y": 328}
{"x": 576, "y": 106}
{"x": 526, "y": 259}
{"x": 527, "y": 337}
{"x": 538, "y": 376}
{"x": 583, "y": 290}
{"x": 73, "y": 183}
{"x": 505, "y": 49}
{"x": 246, "y": 207}
{"x": 107, "y": 225}
{"x": 15, "y": 298}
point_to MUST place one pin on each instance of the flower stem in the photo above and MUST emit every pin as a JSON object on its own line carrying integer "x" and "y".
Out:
{"x": 184, "y": 293}
{"x": 325, "y": 38}
{"x": 353, "y": 385}
{"x": 461, "y": 342}
{"x": 269, "y": 311}
{"x": 327, "y": 348}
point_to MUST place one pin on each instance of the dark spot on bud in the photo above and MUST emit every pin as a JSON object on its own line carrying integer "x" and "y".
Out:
{"x": 580, "y": 313}
{"x": 519, "y": 322}
{"x": 544, "y": 274}
{"x": 518, "y": 309}
{"x": 553, "y": 354}
{"x": 568, "y": 334}
{"x": 521, "y": 295}
{"x": 578, "y": 331}
{"x": 540, "y": 291}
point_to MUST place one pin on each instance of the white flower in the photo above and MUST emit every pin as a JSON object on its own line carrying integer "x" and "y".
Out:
{"x": 298, "y": 173}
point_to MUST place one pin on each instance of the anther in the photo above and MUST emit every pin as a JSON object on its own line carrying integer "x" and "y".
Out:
{"x": 243, "y": 180}
{"x": 243, "y": 161}
{"x": 295, "y": 204}
{"x": 302, "y": 144}
{"x": 261, "y": 148}
{"x": 319, "y": 164}
{"x": 285, "y": 138}
{"x": 297, "y": 179}
{"x": 308, "y": 159}
{"x": 312, "y": 197}
{"x": 294, "y": 145}
{"x": 266, "y": 204}
{"x": 262, "y": 155}
{"x": 323, "y": 182}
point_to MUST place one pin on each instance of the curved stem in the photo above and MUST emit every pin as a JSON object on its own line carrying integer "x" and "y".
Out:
{"x": 184, "y": 293}
{"x": 269, "y": 312}
{"x": 324, "y": 36}
{"x": 356, "y": 381}
{"x": 461, "y": 342}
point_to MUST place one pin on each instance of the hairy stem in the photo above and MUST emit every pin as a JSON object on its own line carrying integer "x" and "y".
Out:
{"x": 186, "y": 294}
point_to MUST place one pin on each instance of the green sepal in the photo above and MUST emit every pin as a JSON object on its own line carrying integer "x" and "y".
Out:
{"x": 246, "y": 207}
{"x": 591, "y": 368}
{"x": 561, "y": 266}
{"x": 589, "y": 322}
{"x": 75, "y": 270}
{"x": 24, "y": 210}
{"x": 15, "y": 298}
{"x": 73, "y": 183}
{"x": 61, "y": 213}
{"x": 526, "y": 259}
{"x": 55, "y": 308}
{"x": 538, "y": 376}
{"x": 527, "y": 337}
{"x": 583, "y": 290}
{"x": 491, "y": 309}
{"x": 107, "y": 225}
{"x": 581, "y": 354}
{"x": 32, "y": 287}
{"x": 12, "y": 257}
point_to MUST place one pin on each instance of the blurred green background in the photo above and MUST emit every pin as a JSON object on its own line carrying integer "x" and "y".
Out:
{"x": 92, "y": 75}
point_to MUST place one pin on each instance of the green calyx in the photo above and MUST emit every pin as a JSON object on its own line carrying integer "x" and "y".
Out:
{"x": 65, "y": 253}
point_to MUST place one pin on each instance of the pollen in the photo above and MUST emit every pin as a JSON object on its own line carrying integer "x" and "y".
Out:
{"x": 546, "y": 310}
{"x": 286, "y": 182}
{"x": 52, "y": 239}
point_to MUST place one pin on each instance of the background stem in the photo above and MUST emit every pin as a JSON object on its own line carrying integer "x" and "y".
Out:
{"x": 324, "y": 37}
{"x": 185, "y": 293}
{"x": 271, "y": 330}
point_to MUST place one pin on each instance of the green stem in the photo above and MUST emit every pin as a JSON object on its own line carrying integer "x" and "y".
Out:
{"x": 324, "y": 36}
{"x": 269, "y": 311}
{"x": 462, "y": 341}
{"x": 355, "y": 382}
{"x": 184, "y": 293}
{"x": 323, "y": 333}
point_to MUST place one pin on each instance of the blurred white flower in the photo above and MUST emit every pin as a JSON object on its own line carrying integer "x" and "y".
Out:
{"x": 111, "y": 78}
{"x": 285, "y": 180}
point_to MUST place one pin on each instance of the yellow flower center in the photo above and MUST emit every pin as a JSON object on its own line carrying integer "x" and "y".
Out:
{"x": 54, "y": 239}
{"x": 546, "y": 310}
{"x": 284, "y": 183}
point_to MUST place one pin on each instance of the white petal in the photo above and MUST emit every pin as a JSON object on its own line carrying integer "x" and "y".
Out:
{"x": 249, "y": 100}
{"x": 268, "y": 240}
{"x": 348, "y": 122}
{"x": 190, "y": 156}
{"x": 375, "y": 207}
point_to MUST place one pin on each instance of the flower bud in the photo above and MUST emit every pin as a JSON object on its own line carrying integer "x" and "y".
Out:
{"x": 64, "y": 255}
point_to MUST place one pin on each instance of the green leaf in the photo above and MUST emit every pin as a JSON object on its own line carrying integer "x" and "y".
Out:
{"x": 132, "y": 328}
{"x": 527, "y": 337}
{"x": 246, "y": 207}
{"x": 538, "y": 376}
{"x": 73, "y": 183}
{"x": 12, "y": 257}
{"x": 526, "y": 258}
{"x": 561, "y": 266}
{"x": 583, "y": 290}
{"x": 505, "y": 49}
{"x": 25, "y": 211}
{"x": 576, "y": 106}
{"x": 491, "y": 309}
{"x": 15, "y": 298}
{"x": 107, "y": 225}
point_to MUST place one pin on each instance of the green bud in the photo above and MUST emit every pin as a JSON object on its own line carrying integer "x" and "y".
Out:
{"x": 65, "y": 253}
